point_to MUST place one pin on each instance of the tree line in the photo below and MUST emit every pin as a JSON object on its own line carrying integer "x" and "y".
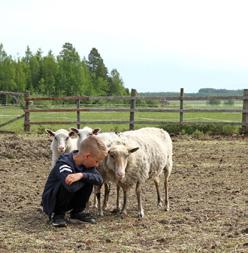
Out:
{"x": 63, "y": 75}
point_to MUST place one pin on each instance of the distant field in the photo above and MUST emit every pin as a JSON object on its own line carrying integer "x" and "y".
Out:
{"x": 9, "y": 112}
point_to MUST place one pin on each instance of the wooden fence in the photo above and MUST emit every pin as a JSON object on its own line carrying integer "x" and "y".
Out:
{"x": 16, "y": 96}
{"x": 133, "y": 109}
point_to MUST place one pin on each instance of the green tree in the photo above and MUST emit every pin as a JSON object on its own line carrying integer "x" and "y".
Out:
{"x": 7, "y": 74}
{"x": 87, "y": 88}
{"x": 20, "y": 77}
{"x": 116, "y": 86}
{"x": 27, "y": 70}
{"x": 65, "y": 74}
{"x": 49, "y": 72}
{"x": 3, "y": 54}
{"x": 35, "y": 63}
{"x": 70, "y": 75}
{"x": 96, "y": 64}
{"x": 7, "y": 71}
{"x": 98, "y": 72}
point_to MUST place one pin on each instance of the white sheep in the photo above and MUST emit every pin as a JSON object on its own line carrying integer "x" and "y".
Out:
{"x": 62, "y": 142}
{"x": 83, "y": 133}
{"x": 137, "y": 156}
{"x": 108, "y": 138}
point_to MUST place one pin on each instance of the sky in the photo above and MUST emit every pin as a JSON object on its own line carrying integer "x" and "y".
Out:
{"x": 156, "y": 45}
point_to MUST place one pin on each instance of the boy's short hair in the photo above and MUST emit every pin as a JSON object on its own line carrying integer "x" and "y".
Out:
{"x": 94, "y": 145}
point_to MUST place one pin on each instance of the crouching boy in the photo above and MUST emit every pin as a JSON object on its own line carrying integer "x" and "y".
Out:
{"x": 71, "y": 180}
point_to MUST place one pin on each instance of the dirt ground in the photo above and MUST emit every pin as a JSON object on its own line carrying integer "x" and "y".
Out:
{"x": 208, "y": 199}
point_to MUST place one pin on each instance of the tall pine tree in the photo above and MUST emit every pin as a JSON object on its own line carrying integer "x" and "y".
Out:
{"x": 70, "y": 76}
{"x": 99, "y": 72}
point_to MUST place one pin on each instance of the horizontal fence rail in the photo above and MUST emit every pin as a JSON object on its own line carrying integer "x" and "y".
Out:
{"x": 171, "y": 98}
{"x": 133, "y": 109}
{"x": 11, "y": 93}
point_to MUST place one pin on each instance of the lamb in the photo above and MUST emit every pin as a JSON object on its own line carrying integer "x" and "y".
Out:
{"x": 137, "y": 156}
{"x": 62, "y": 143}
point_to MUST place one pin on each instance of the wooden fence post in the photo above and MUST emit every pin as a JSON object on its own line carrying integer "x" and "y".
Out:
{"x": 132, "y": 108}
{"x": 78, "y": 114}
{"x": 6, "y": 100}
{"x": 245, "y": 114}
{"x": 181, "y": 106}
{"x": 26, "y": 116}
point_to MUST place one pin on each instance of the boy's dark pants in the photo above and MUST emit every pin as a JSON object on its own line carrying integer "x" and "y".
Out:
{"x": 75, "y": 201}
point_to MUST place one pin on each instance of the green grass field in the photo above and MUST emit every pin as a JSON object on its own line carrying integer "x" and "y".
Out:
{"x": 10, "y": 112}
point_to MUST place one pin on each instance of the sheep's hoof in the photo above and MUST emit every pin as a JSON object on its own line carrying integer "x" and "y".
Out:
{"x": 160, "y": 204}
{"x": 105, "y": 207}
{"x": 167, "y": 208}
{"x": 123, "y": 213}
{"x": 100, "y": 213}
{"x": 141, "y": 215}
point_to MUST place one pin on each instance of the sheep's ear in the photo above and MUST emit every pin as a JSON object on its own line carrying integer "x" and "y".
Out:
{"x": 131, "y": 150}
{"x": 72, "y": 134}
{"x": 50, "y": 132}
{"x": 74, "y": 130}
{"x": 96, "y": 131}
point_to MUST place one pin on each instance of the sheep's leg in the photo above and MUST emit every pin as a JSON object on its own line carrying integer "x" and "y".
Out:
{"x": 95, "y": 200}
{"x": 167, "y": 205}
{"x": 124, "y": 206}
{"x": 117, "y": 197}
{"x": 159, "y": 200}
{"x": 98, "y": 196}
{"x": 87, "y": 207}
{"x": 117, "y": 208}
{"x": 106, "y": 195}
{"x": 167, "y": 171}
{"x": 138, "y": 194}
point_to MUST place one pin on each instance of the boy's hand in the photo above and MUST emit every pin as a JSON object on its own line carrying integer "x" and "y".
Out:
{"x": 71, "y": 178}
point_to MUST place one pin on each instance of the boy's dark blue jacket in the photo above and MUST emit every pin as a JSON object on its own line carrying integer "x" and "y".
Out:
{"x": 65, "y": 165}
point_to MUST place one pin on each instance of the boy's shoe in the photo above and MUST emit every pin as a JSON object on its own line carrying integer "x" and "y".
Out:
{"x": 58, "y": 220}
{"x": 83, "y": 217}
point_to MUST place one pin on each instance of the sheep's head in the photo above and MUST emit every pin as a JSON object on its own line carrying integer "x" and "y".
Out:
{"x": 117, "y": 159}
{"x": 60, "y": 139}
{"x": 83, "y": 133}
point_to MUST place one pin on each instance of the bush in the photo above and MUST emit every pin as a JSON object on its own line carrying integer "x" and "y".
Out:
{"x": 198, "y": 134}
{"x": 229, "y": 102}
{"x": 214, "y": 101}
{"x": 198, "y": 130}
